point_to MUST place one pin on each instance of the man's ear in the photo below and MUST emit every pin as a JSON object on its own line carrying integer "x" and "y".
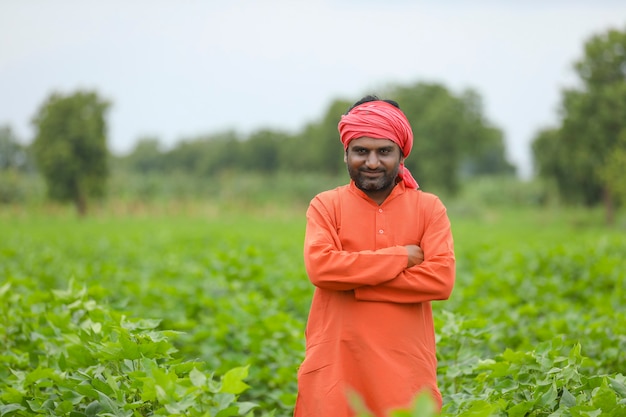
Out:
{"x": 345, "y": 156}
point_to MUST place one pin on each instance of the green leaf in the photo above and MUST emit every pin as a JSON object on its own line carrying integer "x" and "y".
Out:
{"x": 604, "y": 397}
{"x": 130, "y": 350}
{"x": 63, "y": 408}
{"x": 246, "y": 407}
{"x": 107, "y": 403}
{"x": 567, "y": 399}
{"x": 43, "y": 407}
{"x": 481, "y": 408}
{"x": 5, "y": 289}
{"x": 575, "y": 356}
{"x": 6, "y": 409}
{"x": 198, "y": 379}
{"x": 423, "y": 406}
{"x": 506, "y": 385}
{"x": 548, "y": 398}
{"x": 618, "y": 383}
{"x": 93, "y": 409}
{"x": 585, "y": 411}
{"x": 232, "y": 381}
{"x": 11, "y": 395}
{"x": 86, "y": 389}
{"x": 180, "y": 407}
{"x": 38, "y": 375}
{"x": 232, "y": 411}
{"x": 141, "y": 324}
{"x": 521, "y": 409}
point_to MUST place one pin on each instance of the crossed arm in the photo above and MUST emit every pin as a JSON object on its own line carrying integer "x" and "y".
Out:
{"x": 400, "y": 274}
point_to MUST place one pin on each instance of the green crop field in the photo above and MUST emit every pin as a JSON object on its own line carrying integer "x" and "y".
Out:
{"x": 202, "y": 313}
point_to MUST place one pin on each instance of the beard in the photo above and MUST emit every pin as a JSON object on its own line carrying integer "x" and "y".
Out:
{"x": 386, "y": 180}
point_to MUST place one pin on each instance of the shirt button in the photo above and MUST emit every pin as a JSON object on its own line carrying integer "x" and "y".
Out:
{"x": 381, "y": 231}
{"x": 380, "y": 210}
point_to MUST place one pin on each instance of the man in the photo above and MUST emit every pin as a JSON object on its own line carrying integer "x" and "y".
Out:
{"x": 378, "y": 251}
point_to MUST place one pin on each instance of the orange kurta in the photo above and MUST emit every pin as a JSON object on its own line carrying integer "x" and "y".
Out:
{"x": 370, "y": 328}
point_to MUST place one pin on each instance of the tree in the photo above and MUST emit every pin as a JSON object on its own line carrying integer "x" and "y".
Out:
{"x": 261, "y": 152}
{"x": 452, "y": 136}
{"x": 588, "y": 147}
{"x": 12, "y": 155}
{"x": 70, "y": 146}
{"x": 317, "y": 147}
{"x": 14, "y": 163}
{"x": 146, "y": 156}
{"x": 206, "y": 156}
{"x": 612, "y": 173}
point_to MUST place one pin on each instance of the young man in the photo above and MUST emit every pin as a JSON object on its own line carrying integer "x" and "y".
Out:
{"x": 378, "y": 251}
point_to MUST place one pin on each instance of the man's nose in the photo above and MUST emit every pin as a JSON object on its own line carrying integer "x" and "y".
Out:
{"x": 372, "y": 160}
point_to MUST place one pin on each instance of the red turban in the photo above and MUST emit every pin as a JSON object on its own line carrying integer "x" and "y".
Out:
{"x": 379, "y": 120}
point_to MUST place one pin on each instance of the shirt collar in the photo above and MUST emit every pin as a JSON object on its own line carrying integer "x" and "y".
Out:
{"x": 399, "y": 189}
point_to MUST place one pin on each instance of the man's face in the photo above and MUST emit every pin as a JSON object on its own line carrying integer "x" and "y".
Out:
{"x": 373, "y": 164}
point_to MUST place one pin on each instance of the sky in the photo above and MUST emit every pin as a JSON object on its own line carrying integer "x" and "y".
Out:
{"x": 175, "y": 70}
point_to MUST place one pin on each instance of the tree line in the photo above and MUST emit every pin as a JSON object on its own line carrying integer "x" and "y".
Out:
{"x": 453, "y": 140}
{"x": 584, "y": 156}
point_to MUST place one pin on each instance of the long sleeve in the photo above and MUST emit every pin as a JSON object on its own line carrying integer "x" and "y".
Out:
{"x": 329, "y": 267}
{"x": 433, "y": 279}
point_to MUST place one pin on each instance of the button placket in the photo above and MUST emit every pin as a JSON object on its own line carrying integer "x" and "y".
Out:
{"x": 381, "y": 225}
{"x": 380, "y": 222}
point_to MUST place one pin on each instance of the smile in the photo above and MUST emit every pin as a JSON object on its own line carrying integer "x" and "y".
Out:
{"x": 372, "y": 173}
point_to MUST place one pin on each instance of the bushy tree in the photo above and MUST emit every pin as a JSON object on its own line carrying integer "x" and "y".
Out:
{"x": 586, "y": 150}
{"x": 206, "y": 156}
{"x": 12, "y": 153}
{"x": 146, "y": 157}
{"x": 452, "y": 135}
{"x": 14, "y": 164}
{"x": 70, "y": 146}
{"x": 261, "y": 152}
{"x": 317, "y": 147}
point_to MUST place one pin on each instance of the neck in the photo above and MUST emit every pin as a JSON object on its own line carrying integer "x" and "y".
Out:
{"x": 378, "y": 196}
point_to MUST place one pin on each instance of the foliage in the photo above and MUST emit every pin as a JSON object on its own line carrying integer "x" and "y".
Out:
{"x": 12, "y": 153}
{"x": 146, "y": 157}
{"x": 238, "y": 189}
{"x": 501, "y": 191}
{"x": 318, "y": 148}
{"x": 453, "y": 141}
{"x": 14, "y": 168}
{"x": 21, "y": 189}
{"x": 584, "y": 154}
{"x": 67, "y": 355}
{"x": 533, "y": 327}
{"x": 612, "y": 172}
{"x": 297, "y": 189}
{"x": 452, "y": 136}
{"x": 262, "y": 151}
{"x": 70, "y": 146}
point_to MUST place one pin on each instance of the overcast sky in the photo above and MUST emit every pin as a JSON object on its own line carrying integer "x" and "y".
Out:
{"x": 176, "y": 69}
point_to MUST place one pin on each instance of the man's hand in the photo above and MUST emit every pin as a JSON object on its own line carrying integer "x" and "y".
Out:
{"x": 416, "y": 255}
